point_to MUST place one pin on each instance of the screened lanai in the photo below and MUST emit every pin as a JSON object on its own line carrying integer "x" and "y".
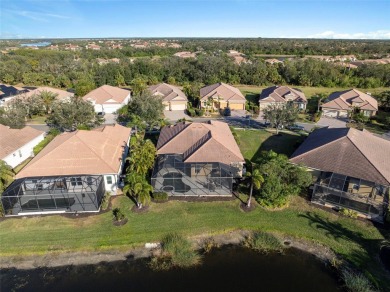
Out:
{"x": 176, "y": 178}
{"x": 360, "y": 195}
{"x": 53, "y": 194}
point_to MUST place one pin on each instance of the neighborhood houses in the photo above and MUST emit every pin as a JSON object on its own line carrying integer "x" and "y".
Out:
{"x": 173, "y": 98}
{"x": 282, "y": 95}
{"x": 108, "y": 99}
{"x": 221, "y": 95}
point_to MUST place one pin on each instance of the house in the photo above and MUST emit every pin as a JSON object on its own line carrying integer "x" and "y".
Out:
{"x": 172, "y": 97}
{"x": 71, "y": 174}
{"x": 73, "y": 48}
{"x": 92, "y": 46}
{"x": 341, "y": 103}
{"x": 273, "y": 61}
{"x": 351, "y": 169}
{"x": 221, "y": 95}
{"x": 197, "y": 159}
{"x": 16, "y": 145}
{"x": 25, "y": 93}
{"x": 185, "y": 55}
{"x": 108, "y": 98}
{"x": 7, "y": 92}
{"x": 282, "y": 95}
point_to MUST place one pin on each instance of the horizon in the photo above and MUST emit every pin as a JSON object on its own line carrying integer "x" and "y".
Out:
{"x": 284, "y": 19}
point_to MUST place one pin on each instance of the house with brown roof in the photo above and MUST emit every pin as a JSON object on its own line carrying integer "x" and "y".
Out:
{"x": 108, "y": 98}
{"x": 16, "y": 145}
{"x": 8, "y": 92}
{"x": 197, "y": 159}
{"x": 282, "y": 95}
{"x": 341, "y": 103}
{"x": 351, "y": 169}
{"x": 221, "y": 95}
{"x": 71, "y": 174}
{"x": 172, "y": 97}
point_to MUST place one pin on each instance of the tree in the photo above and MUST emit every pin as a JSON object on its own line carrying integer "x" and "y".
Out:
{"x": 138, "y": 187}
{"x": 147, "y": 107}
{"x": 6, "y": 175}
{"x": 142, "y": 155}
{"x": 256, "y": 179}
{"x": 280, "y": 116}
{"x": 138, "y": 86}
{"x": 13, "y": 117}
{"x": 281, "y": 179}
{"x": 84, "y": 85}
{"x": 47, "y": 98}
{"x": 71, "y": 115}
{"x": 384, "y": 100}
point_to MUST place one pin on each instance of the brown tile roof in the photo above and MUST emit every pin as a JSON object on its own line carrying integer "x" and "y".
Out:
{"x": 80, "y": 152}
{"x": 13, "y": 139}
{"x": 281, "y": 93}
{"x": 346, "y": 151}
{"x": 224, "y": 91}
{"x": 343, "y": 100}
{"x": 168, "y": 92}
{"x": 105, "y": 93}
{"x": 200, "y": 142}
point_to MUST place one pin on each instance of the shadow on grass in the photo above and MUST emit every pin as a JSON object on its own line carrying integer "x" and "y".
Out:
{"x": 252, "y": 97}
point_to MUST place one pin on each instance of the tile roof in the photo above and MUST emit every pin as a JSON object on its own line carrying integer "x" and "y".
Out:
{"x": 168, "y": 92}
{"x": 200, "y": 142}
{"x": 346, "y": 151}
{"x": 9, "y": 90}
{"x": 80, "y": 152}
{"x": 343, "y": 100}
{"x": 224, "y": 91}
{"x": 281, "y": 93}
{"x": 104, "y": 93}
{"x": 13, "y": 139}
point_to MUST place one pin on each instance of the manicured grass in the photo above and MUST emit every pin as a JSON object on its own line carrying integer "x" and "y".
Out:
{"x": 23, "y": 164}
{"x": 253, "y": 142}
{"x": 39, "y": 120}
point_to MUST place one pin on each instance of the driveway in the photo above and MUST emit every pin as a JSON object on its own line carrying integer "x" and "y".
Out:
{"x": 173, "y": 116}
{"x": 40, "y": 127}
{"x": 331, "y": 123}
{"x": 109, "y": 119}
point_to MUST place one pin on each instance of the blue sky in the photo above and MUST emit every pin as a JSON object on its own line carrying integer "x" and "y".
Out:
{"x": 186, "y": 18}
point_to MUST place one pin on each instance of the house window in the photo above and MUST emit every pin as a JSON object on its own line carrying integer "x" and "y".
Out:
{"x": 109, "y": 180}
{"x": 20, "y": 153}
{"x": 89, "y": 181}
{"x": 76, "y": 181}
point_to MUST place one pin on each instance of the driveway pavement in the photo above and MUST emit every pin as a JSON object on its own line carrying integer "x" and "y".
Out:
{"x": 40, "y": 127}
{"x": 173, "y": 116}
{"x": 331, "y": 123}
{"x": 109, "y": 119}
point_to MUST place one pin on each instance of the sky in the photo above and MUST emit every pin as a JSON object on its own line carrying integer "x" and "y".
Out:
{"x": 345, "y": 19}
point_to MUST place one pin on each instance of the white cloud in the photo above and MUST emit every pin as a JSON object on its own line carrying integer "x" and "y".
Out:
{"x": 37, "y": 16}
{"x": 379, "y": 34}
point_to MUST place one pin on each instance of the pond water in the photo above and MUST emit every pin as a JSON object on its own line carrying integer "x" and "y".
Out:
{"x": 230, "y": 268}
{"x": 38, "y": 44}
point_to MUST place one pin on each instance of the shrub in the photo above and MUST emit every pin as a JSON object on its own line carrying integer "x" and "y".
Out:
{"x": 263, "y": 242}
{"x": 209, "y": 244}
{"x": 160, "y": 196}
{"x": 317, "y": 117}
{"x": 349, "y": 213}
{"x": 179, "y": 251}
{"x": 191, "y": 112}
{"x": 199, "y": 112}
{"x": 118, "y": 214}
{"x": 105, "y": 201}
{"x": 356, "y": 282}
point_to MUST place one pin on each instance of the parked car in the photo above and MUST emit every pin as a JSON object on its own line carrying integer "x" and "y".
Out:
{"x": 296, "y": 127}
{"x": 101, "y": 114}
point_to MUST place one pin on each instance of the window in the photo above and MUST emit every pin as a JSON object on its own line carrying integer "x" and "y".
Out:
{"x": 89, "y": 180}
{"x": 76, "y": 181}
{"x": 109, "y": 180}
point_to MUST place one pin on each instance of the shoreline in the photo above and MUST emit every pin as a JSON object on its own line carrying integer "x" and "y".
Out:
{"x": 236, "y": 237}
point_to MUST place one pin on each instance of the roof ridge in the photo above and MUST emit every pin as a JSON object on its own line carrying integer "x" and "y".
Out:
{"x": 207, "y": 138}
{"x": 106, "y": 90}
{"x": 354, "y": 144}
{"x": 172, "y": 138}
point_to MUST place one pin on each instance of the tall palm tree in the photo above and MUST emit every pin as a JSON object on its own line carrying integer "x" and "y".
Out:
{"x": 142, "y": 154}
{"x": 137, "y": 187}
{"x": 48, "y": 99}
{"x": 256, "y": 181}
{"x": 6, "y": 175}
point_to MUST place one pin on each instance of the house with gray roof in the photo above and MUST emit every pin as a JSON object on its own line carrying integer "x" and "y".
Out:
{"x": 282, "y": 95}
{"x": 172, "y": 97}
{"x": 341, "y": 103}
{"x": 351, "y": 169}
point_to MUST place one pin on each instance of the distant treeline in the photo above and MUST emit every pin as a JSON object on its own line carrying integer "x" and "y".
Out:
{"x": 66, "y": 69}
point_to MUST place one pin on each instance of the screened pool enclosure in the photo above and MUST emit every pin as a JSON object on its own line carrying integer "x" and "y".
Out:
{"x": 53, "y": 194}
{"x": 177, "y": 178}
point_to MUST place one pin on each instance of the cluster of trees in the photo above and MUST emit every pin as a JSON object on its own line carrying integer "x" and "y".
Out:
{"x": 64, "y": 70}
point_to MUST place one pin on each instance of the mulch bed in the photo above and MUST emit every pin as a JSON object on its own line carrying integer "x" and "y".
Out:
{"x": 144, "y": 209}
{"x": 244, "y": 208}
{"x": 120, "y": 223}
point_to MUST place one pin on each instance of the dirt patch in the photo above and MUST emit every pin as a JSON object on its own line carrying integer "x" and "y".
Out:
{"x": 144, "y": 209}
{"x": 120, "y": 223}
{"x": 246, "y": 209}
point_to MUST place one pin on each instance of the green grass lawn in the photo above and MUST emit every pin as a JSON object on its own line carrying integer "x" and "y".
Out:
{"x": 39, "y": 120}
{"x": 23, "y": 164}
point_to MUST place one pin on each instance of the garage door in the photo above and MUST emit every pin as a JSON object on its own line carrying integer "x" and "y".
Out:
{"x": 109, "y": 109}
{"x": 328, "y": 113}
{"x": 178, "y": 107}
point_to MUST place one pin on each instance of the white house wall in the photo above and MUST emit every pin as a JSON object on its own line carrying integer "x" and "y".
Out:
{"x": 21, "y": 154}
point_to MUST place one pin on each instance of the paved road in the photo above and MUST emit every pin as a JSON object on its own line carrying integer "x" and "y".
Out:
{"x": 40, "y": 127}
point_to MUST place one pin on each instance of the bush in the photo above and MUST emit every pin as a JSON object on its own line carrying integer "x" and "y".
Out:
{"x": 160, "y": 196}
{"x": 199, "y": 112}
{"x": 118, "y": 214}
{"x": 349, "y": 213}
{"x": 179, "y": 251}
{"x": 191, "y": 112}
{"x": 263, "y": 242}
{"x": 49, "y": 137}
{"x": 105, "y": 201}
{"x": 356, "y": 282}
{"x": 317, "y": 117}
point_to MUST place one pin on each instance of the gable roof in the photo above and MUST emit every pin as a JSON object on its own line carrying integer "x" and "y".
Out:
{"x": 343, "y": 100}
{"x": 81, "y": 152}
{"x": 105, "y": 93}
{"x": 13, "y": 139}
{"x": 346, "y": 151}
{"x": 168, "y": 92}
{"x": 200, "y": 142}
{"x": 281, "y": 94}
{"x": 224, "y": 91}
{"x": 9, "y": 90}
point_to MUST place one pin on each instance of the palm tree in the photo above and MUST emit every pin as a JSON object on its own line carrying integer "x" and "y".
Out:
{"x": 137, "y": 187}
{"x": 48, "y": 99}
{"x": 256, "y": 181}
{"x": 142, "y": 154}
{"x": 6, "y": 175}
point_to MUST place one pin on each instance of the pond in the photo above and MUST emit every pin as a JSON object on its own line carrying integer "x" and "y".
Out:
{"x": 230, "y": 268}
{"x": 38, "y": 44}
